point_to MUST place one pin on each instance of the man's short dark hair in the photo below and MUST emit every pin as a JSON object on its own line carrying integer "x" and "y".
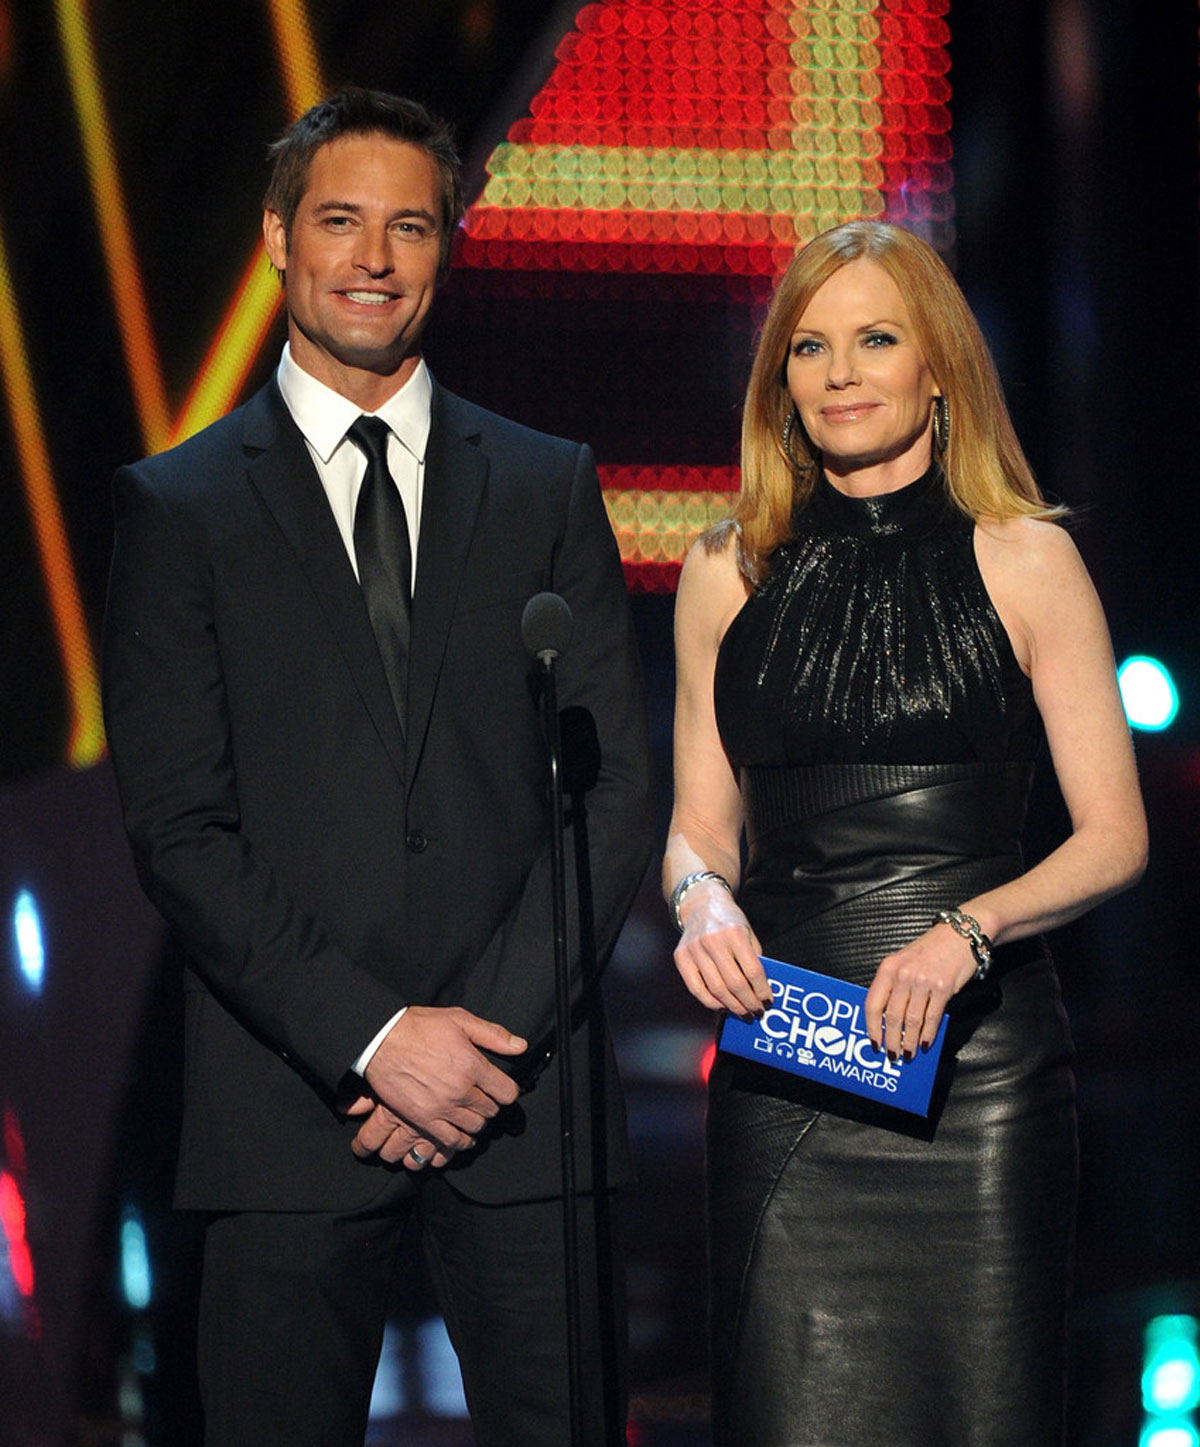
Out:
{"x": 356, "y": 112}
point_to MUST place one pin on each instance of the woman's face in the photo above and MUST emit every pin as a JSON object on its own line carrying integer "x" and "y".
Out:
{"x": 860, "y": 382}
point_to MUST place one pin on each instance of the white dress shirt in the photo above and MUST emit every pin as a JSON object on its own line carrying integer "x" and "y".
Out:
{"x": 323, "y": 417}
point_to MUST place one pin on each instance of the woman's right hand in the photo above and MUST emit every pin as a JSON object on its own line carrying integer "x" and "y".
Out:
{"x": 718, "y": 955}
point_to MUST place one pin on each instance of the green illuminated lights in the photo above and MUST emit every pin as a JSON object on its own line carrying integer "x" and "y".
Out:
{"x": 1171, "y": 1365}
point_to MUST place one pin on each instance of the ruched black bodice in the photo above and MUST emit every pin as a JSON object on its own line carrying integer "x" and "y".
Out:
{"x": 872, "y": 1272}
{"x": 873, "y": 640}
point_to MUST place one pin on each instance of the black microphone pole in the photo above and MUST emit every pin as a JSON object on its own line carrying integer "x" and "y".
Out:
{"x": 581, "y": 774}
{"x": 546, "y": 631}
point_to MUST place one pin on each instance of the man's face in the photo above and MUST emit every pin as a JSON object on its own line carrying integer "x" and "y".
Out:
{"x": 361, "y": 263}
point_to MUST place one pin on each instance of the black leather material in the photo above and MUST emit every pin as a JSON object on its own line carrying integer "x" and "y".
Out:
{"x": 848, "y": 862}
{"x": 877, "y": 1276}
{"x": 891, "y": 1280}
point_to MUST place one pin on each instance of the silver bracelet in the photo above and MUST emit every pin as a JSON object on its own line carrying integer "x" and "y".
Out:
{"x": 968, "y": 928}
{"x": 685, "y": 884}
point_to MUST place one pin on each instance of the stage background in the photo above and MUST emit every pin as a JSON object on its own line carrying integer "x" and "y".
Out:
{"x": 1058, "y": 173}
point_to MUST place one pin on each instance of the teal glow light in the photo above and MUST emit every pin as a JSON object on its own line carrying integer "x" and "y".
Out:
{"x": 27, "y": 932}
{"x": 1171, "y": 1367}
{"x": 1173, "y": 1432}
{"x": 1148, "y": 694}
{"x": 135, "y": 1261}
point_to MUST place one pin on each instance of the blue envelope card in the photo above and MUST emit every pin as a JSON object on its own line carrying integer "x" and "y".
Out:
{"x": 816, "y": 1028}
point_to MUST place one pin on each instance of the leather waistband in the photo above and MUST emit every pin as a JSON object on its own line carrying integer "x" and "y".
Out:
{"x": 847, "y": 862}
{"x": 958, "y": 810}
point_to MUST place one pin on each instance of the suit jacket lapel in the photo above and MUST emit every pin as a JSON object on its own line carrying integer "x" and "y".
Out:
{"x": 282, "y": 473}
{"x": 456, "y": 472}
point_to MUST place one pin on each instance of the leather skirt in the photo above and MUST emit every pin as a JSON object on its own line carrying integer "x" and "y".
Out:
{"x": 878, "y": 1276}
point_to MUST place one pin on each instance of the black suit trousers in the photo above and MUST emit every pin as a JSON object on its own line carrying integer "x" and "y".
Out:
{"x": 293, "y": 1307}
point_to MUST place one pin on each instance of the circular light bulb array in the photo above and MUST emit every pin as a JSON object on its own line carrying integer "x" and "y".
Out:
{"x": 676, "y": 137}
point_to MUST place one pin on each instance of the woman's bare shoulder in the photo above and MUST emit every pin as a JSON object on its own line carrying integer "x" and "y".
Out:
{"x": 712, "y": 586}
{"x": 1027, "y": 552}
{"x": 1036, "y": 539}
{"x": 1037, "y": 581}
{"x": 715, "y": 556}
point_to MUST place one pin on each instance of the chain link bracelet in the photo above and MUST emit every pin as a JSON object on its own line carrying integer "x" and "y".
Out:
{"x": 968, "y": 928}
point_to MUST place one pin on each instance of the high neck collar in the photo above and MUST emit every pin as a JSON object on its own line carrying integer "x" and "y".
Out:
{"x": 908, "y": 509}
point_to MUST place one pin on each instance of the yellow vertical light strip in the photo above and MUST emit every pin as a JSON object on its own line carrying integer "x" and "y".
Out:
{"x": 234, "y": 348}
{"x": 112, "y": 219}
{"x": 298, "y": 63}
{"x": 85, "y": 744}
{"x": 248, "y": 318}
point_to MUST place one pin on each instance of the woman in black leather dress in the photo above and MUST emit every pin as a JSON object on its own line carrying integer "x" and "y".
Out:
{"x": 868, "y": 655}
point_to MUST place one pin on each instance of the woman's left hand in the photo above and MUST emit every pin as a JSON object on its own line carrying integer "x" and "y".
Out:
{"x": 910, "y": 990}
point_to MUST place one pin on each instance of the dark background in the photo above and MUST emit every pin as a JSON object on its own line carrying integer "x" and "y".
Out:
{"x": 1075, "y": 164}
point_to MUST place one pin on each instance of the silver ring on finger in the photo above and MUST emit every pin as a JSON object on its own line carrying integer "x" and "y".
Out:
{"x": 419, "y": 1158}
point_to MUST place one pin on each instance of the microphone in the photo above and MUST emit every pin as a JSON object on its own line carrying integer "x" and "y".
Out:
{"x": 546, "y": 626}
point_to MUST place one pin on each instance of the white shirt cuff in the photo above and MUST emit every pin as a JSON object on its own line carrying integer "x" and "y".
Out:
{"x": 360, "y": 1065}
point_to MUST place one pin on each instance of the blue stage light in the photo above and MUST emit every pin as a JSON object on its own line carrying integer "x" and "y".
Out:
{"x": 1171, "y": 1366}
{"x": 444, "y": 1395}
{"x": 27, "y": 933}
{"x": 1148, "y": 693}
{"x": 1169, "y": 1432}
{"x": 136, "y": 1284}
{"x": 419, "y": 1359}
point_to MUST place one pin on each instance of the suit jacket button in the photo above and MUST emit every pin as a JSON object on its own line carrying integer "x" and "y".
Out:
{"x": 417, "y": 843}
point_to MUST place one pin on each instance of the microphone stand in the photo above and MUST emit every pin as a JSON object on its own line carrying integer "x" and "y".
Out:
{"x": 562, "y": 993}
{"x": 581, "y": 773}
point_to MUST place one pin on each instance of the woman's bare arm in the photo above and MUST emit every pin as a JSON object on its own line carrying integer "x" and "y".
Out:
{"x": 717, "y": 956}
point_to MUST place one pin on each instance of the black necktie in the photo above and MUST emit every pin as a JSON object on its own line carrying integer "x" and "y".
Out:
{"x": 384, "y": 555}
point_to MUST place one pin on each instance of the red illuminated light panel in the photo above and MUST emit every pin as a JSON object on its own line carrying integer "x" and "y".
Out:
{"x": 713, "y": 139}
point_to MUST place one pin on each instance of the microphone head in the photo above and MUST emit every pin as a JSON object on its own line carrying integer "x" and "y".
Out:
{"x": 546, "y": 625}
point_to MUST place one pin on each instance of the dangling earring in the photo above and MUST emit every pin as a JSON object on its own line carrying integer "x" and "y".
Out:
{"x": 788, "y": 428}
{"x": 941, "y": 425}
{"x": 787, "y": 434}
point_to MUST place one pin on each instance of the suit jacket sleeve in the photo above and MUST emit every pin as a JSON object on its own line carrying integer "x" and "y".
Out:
{"x": 274, "y": 965}
{"x": 513, "y": 981}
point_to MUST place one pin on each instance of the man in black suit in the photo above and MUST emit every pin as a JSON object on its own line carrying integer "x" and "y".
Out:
{"x": 326, "y": 734}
